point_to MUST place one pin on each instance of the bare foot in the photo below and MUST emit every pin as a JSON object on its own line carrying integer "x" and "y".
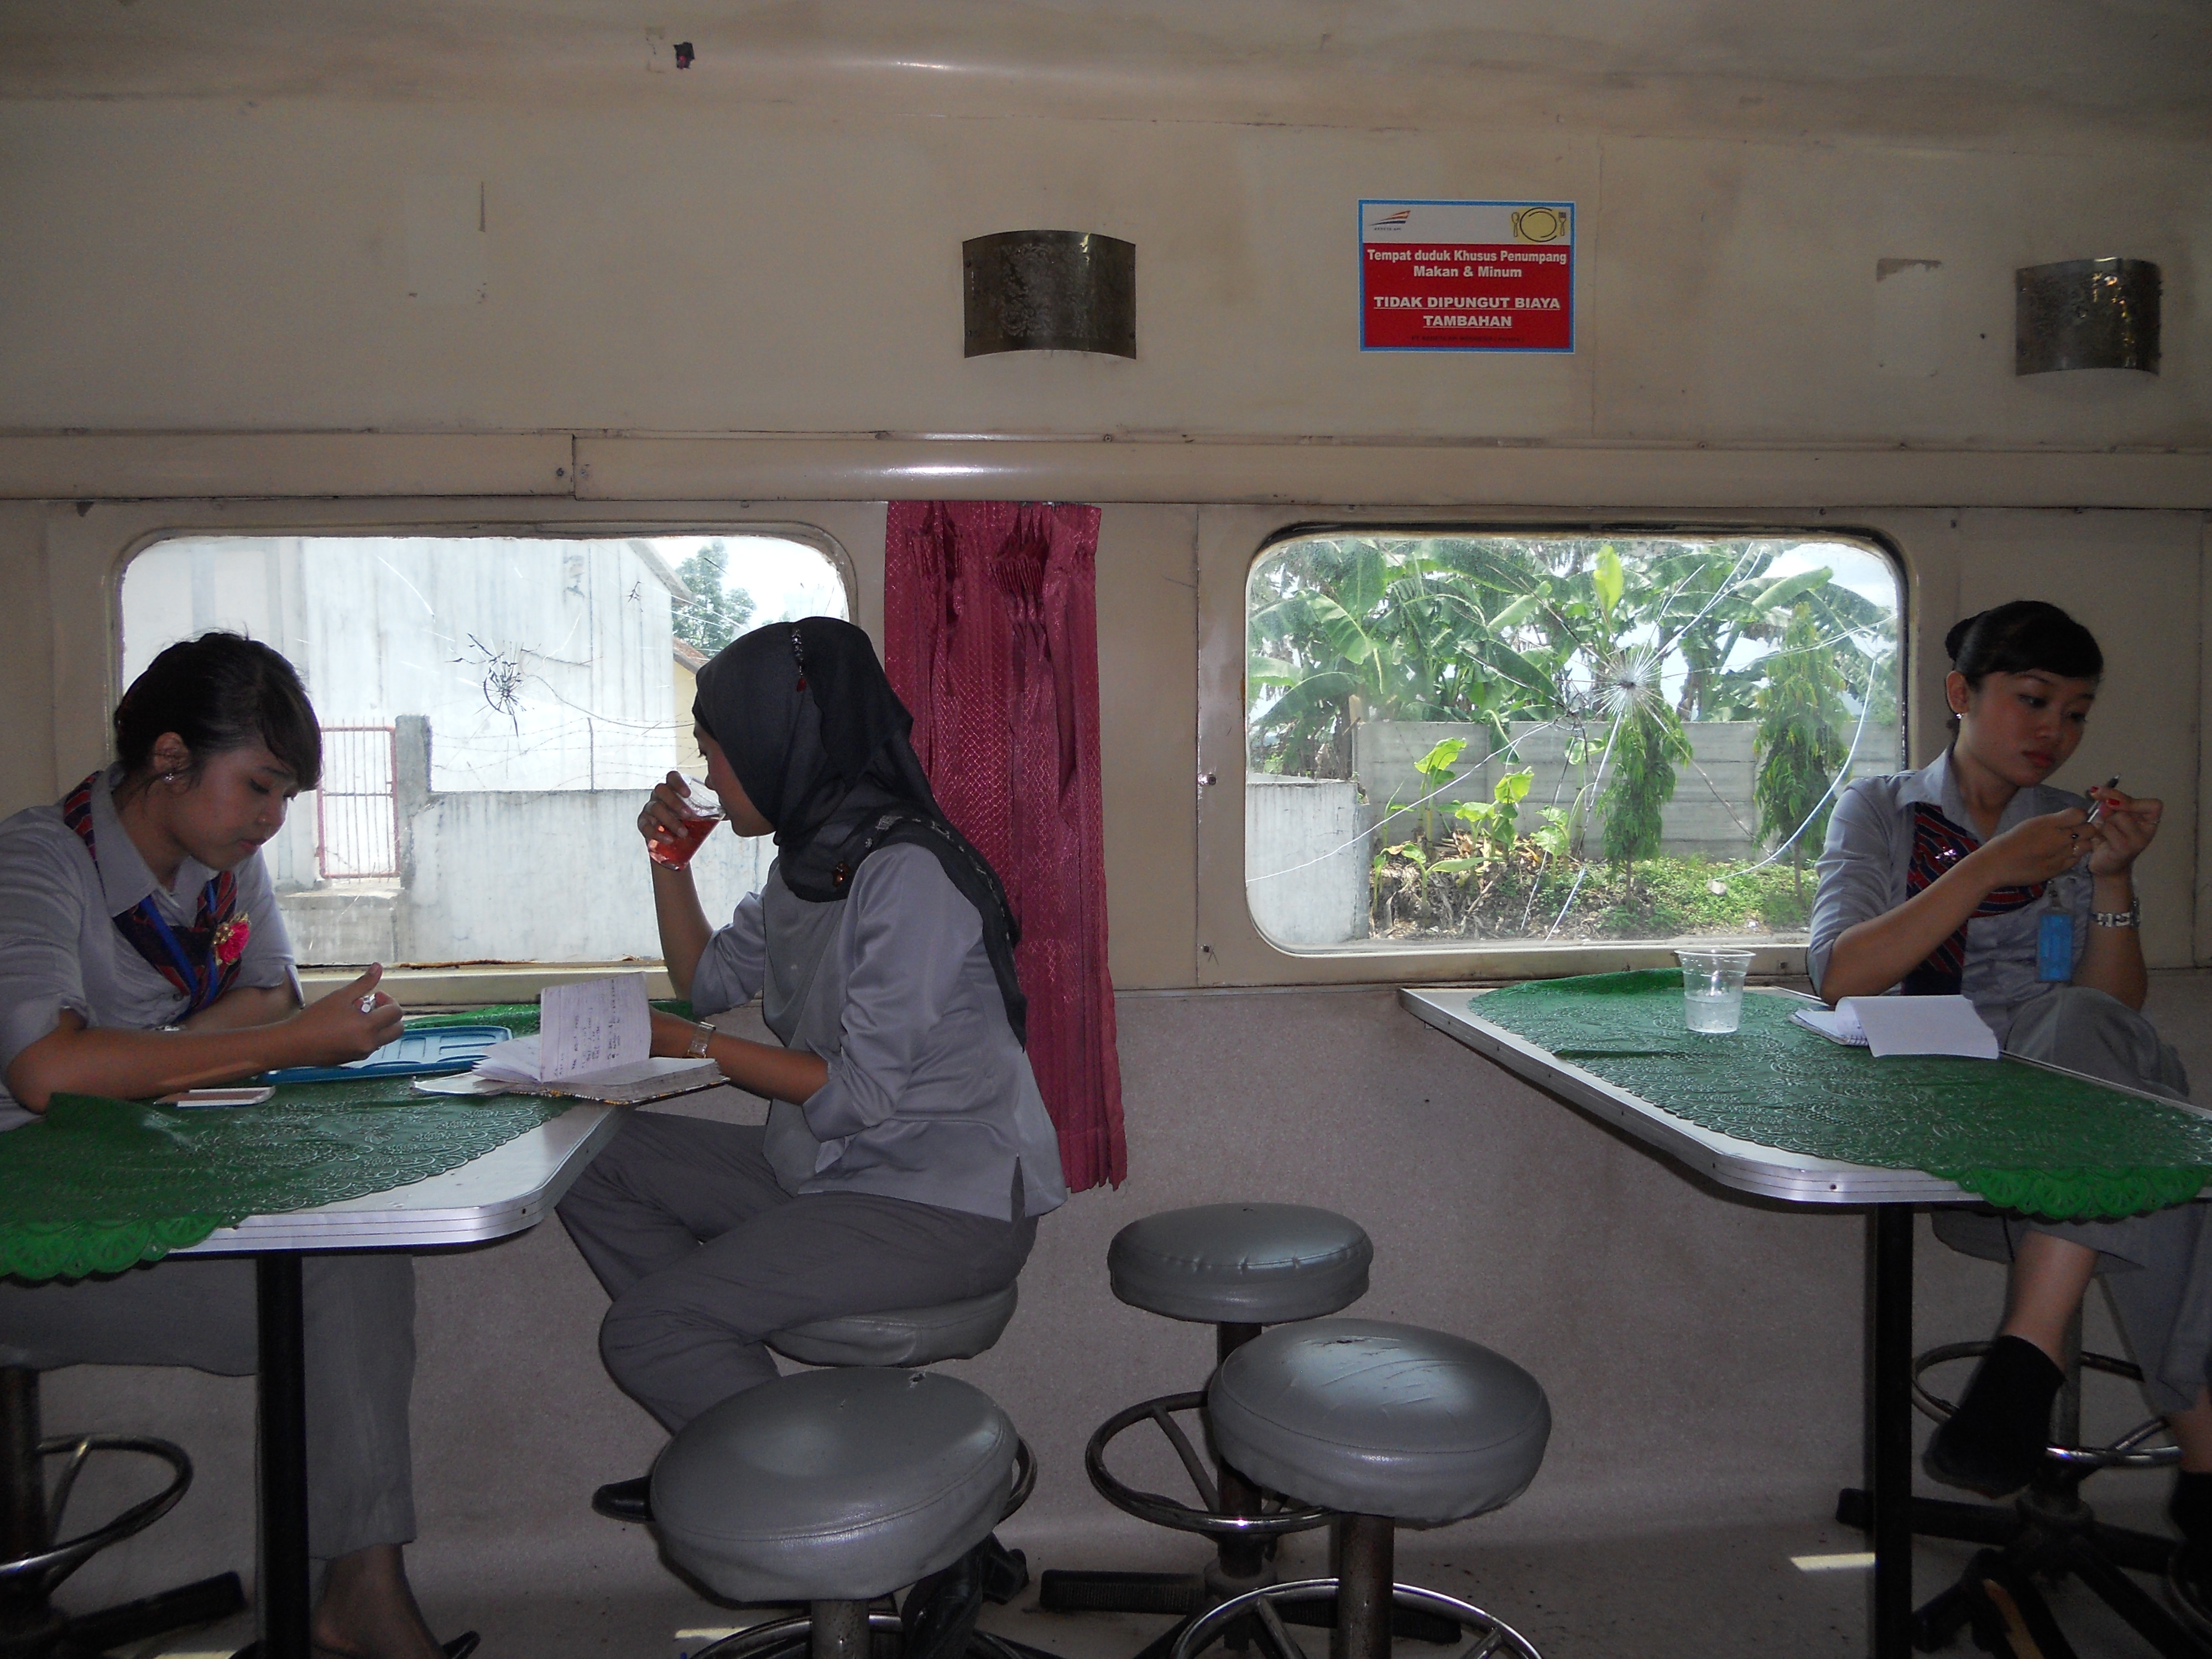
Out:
{"x": 368, "y": 1612}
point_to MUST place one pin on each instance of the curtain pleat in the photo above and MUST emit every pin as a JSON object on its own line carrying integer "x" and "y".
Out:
{"x": 991, "y": 637}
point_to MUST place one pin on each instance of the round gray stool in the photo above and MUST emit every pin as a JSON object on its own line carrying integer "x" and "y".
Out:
{"x": 903, "y": 1336}
{"x": 833, "y": 1488}
{"x": 1381, "y": 1423}
{"x": 1239, "y": 1267}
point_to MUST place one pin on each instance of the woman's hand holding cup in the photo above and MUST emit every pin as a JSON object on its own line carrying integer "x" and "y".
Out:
{"x": 677, "y": 818}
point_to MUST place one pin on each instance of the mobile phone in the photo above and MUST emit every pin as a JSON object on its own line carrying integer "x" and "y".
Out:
{"x": 217, "y": 1097}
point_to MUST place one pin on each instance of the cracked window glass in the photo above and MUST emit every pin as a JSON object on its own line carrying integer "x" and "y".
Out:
{"x": 1456, "y": 739}
{"x": 494, "y": 710}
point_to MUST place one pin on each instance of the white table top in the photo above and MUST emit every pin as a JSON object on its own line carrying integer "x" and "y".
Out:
{"x": 509, "y": 1189}
{"x": 1745, "y": 1165}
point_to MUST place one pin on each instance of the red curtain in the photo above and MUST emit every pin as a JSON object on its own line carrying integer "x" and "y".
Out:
{"x": 991, "y": 637}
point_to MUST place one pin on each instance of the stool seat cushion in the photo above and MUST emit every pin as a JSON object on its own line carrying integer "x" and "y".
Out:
{"x": 835, "y": 1486}
{"x": 1368, "y": 1418}
{"x": 1241, "y": 1264}
{"x": 902, "y": 1336}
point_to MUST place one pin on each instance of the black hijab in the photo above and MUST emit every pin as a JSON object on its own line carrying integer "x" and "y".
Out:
{"x": 819, "y": 740}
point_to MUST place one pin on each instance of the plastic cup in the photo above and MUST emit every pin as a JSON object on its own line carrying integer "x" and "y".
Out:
{"x": 702, "y": 812}
{"x": 1712, "y": 989}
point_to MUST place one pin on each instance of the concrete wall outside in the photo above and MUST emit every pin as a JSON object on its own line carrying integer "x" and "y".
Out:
{"x": 1306, "y": 852}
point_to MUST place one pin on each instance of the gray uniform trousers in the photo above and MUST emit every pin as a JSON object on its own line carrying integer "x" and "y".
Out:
{"x": 705, "y": 1254}
{"x": 200, "y": 1312}
{"x": 2157, "y": 1268}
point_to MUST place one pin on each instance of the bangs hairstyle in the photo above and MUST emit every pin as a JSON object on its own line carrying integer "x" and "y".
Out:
{"x": 220, "y": 692}
{"x": 2020, "y": 638}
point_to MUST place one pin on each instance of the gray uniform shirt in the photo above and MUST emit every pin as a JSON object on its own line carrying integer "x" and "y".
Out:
{"x": 929, "y": 1096}
{"x": 1863, "y": 872}
{"x": 59, "y": 946}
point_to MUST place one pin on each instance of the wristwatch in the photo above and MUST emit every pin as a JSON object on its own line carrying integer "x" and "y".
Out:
{"x": 2131, "y": 917}
{"x": 696, "y": 1048}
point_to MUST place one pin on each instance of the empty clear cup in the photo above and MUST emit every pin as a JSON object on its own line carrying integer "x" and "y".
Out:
{"x": 702, "y": 812}
{"x": 1712, "y": 988}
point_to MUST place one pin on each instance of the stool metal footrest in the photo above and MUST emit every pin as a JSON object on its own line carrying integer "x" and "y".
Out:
{"x": 789, "y": 1636}
{"x": 2131, "y": 1451}
{"x": 1165, "y": 1511}
{"x": 1492, "y": 1636}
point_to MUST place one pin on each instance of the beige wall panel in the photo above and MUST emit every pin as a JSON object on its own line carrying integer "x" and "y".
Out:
{"x": 27, "y": 660}
{"x": 1583, "y": 477}
{"x": 2202, "y": 929}
{"x": 246, "y": 267}
{"x": 2131, "y": 578}
{"x": 140, "y": 466}
{"x": 1148, "y": 740}
{"x": 1737, "y": 295}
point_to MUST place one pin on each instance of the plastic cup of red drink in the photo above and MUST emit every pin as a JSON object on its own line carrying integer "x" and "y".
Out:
{"x": 702, "y": 812}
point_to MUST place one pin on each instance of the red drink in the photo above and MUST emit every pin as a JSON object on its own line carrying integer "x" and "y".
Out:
{"x": 684, "y": 841}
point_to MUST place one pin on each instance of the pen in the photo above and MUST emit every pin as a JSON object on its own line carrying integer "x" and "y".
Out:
{"x": 369, "y": 1003}
{"x": 2097, "y": 807}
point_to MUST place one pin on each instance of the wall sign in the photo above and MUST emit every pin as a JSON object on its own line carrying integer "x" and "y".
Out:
{"x": 1467, "y": 275}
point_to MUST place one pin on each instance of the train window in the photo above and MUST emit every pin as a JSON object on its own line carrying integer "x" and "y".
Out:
{"x": 494, "y": 708}
{"x": 1456, "y": 738}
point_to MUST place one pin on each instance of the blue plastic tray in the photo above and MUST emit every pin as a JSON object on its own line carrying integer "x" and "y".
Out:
{"x": 418, "y": 1053}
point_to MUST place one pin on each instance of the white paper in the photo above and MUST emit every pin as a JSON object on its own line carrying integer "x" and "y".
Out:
{"x": 594, "y": 1026}
{"x": 1837, "y": 1025}
{"x": 1922, "y": 1025}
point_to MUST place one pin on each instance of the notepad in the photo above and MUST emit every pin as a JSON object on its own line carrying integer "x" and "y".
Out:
{"x": 594, "y": 1041}
{"x": 1904, "y": 1026}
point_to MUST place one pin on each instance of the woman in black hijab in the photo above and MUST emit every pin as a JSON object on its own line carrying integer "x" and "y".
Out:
{"x": 907, "y": 1153}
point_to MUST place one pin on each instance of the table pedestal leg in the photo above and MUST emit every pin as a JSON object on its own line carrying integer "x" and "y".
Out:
{"x": 282, "y": 1590}
{"x": 1889, "y": 1475}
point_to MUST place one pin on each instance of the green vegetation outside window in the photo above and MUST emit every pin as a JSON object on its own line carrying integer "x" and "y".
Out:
{"x": 1456, "y": 738}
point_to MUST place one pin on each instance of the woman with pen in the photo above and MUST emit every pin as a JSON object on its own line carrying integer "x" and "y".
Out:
{"x": 142, "y": 953}
{"x": 1973, "y": 877}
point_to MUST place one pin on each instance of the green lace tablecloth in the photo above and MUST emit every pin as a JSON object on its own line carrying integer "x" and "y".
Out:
{"x": 2025, "y": 1138}
{"x": 97, "y": 1185}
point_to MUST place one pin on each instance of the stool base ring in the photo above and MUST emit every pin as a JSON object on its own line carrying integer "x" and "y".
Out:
{"x": 1164, "y": 1511}
{"x": 788, "y": 1637}
{"x": 2130, "y": 1451}
{"x": 48, "y": 1567}
{"x": 1494, "y": 1636}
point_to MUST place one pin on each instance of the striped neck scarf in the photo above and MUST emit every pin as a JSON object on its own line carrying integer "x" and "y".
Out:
{"x": 1937, "y": 845}
{"x": 202, "y": 961}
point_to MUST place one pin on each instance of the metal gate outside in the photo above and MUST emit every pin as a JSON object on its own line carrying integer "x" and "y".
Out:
{"x": 357, "y": 807}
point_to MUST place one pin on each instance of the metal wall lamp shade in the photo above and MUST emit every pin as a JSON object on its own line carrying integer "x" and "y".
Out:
{"x": 1050, "y": 290}
{"x": 2086, "y": 313}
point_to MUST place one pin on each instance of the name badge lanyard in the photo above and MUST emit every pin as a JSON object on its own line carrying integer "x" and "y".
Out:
{"x": 198, "y": 984}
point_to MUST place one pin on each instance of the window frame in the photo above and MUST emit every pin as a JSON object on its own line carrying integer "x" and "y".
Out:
{"x": 89, "y": 552}
{"x": 1231, "y": 949}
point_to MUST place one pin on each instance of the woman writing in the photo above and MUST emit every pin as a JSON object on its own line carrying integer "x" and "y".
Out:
{"x": 907, "y": 1153}
{"x": 141, "y": 953}
{"x": 1973, "y": 877}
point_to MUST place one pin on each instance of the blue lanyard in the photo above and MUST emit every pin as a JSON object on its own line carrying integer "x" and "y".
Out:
{"x": 200, "y": 985}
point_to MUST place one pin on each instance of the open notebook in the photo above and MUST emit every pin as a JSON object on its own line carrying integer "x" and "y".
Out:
{"x": 594, "y": 1043}
{"x": 1904, "y": 1026}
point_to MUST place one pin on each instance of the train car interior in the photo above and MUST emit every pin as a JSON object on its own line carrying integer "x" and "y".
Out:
{"x": 1386, "y": 502}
